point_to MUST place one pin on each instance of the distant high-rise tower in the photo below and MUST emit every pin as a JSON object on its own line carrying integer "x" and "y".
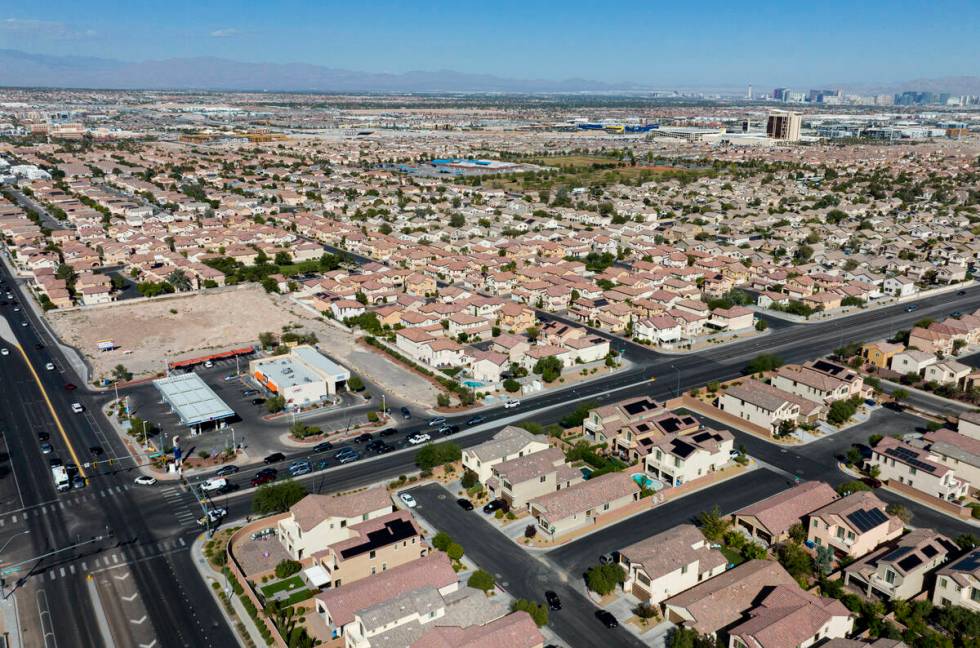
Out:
{"x": 749, "y": 96}
{"x": 784, "y": 125}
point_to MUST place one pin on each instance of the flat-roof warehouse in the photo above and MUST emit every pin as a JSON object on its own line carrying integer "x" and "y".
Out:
{"x": 304, "y": 376}
{"x": 192, "y": 400}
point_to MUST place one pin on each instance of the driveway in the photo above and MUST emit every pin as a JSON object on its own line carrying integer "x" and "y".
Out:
{"x": 518, "y": 572}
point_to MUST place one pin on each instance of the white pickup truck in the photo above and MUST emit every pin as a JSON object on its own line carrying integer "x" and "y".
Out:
{"x": 61, "y": 481}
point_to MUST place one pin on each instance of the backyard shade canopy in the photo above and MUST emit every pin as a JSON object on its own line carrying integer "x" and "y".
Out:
{"x": 192, "y": 400}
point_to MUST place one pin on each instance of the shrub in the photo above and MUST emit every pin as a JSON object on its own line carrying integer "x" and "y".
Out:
{"x": 277, "y": 497}
{"x": 530, "y": 531}
{"x": 482, "y": 580}
{"x": 437, "y": 454}
{"x": 602, "y": 579}
{"x": 287, "y": 568}
{"x": 537, "y": 611}
{"x": 512, "y": 385}
{"x": 441, "y": 541}
{"x": 469, "y": 479}
{"x": 372, "y": 417}
{"x": 454, "y": 551}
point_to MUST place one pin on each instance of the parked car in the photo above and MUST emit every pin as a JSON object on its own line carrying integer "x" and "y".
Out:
{"x": 406, "y": 413}
{"x": 437, "y": 421}
{"x": 363, "y": 438}
{"x": 465, "y": 504}
{"x": 258, "y": 401}
{"x": 298, "y": 468}
{"x": 49, "y": 366}
{"x": 408, "y": 500}
{"x": 494, "y": 505}
{"x": 476, "y": 420}
{"x": 511, "y": 403}
{"x": 145, "y": 480}
{"x": 224, "y": 471}
{"x": 323, "y": 446}
{"x": 208, "y": 364}
{"x": 259, "y": 480}
{"x": 554, "y": 602}
{"x": 77, "y": 408}
{"x": 348, "y": 458}
{"x": 249, "y": 392}
{"x": 419, "y": 437}
{"x": 275, "y": 457}
{"x": 607, "y": 618}
{"x": 388, "y": 432}
{"x": 46, "y": 448}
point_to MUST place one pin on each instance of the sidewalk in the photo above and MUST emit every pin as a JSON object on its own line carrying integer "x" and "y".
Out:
{"x": 10, "y": 621}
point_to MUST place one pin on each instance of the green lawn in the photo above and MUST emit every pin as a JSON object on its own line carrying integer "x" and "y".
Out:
{"x": 296, "y": 597}
{"x": 291, "y": 583}
{"x": 733, "y": 556}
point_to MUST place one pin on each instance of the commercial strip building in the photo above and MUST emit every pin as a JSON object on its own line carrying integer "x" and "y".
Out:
{"x": 304, "y": 376}
{"x": 190, "y": 398}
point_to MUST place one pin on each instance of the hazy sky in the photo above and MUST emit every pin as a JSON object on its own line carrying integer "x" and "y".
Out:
{"x": 651, "y": 41}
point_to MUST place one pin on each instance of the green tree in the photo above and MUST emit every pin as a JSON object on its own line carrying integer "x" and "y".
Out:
{"x": 437, "y": 454}
{"x": 682, "y": 637}
{"x": 286, "y": 568}
{"x": 121, "y": 373}
{"x": 354, "y": 383}
{"x": 512, "y": 385}
{"x": 603, "y": 579}
{"x": 549, "y": 368}
{"x": 275, "y": 404}
{"x": 481, "y": 580}
{"x": 470, "y": 479}
{"x": 441, "y": 541}
{"x": 852, "y": 487}
{"x": 282, "y": 258}
{"x": 277, "y": 497}
{"x": 762, "y": 363}
{"x": 179, "y": 280}
{"x": 455, "y": 551}
{"x": 713, "y": 524}
{"x": 537, "y": 611}
{"x": 796, "y": 561}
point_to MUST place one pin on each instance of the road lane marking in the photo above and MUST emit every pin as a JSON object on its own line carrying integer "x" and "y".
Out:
{"x": 129, "y": 598}
{"x": 138, "y": 621}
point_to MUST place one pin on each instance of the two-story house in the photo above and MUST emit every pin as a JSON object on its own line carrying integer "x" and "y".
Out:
{"x": 899, "y": 570}
{"x": 916, "y": 467}
{"x": 668, "y": 563}
{"x": 318, "y": 521}
{"x": 679, "y": 458}
{"x": 958, "y": 583}
{"x": 509, "y": 443}
{"x": 520, "y": 480}
{"x": 854, "y": 525}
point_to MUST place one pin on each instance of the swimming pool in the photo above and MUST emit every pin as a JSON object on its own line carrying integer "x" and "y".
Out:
{"x": 647, "y": 482}
{"x": 472, "y": 384}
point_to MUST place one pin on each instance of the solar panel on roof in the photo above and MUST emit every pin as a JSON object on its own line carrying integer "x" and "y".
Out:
{"x": 867, "y": 520}
{"x": 910, "y": 562}
{"x": 911, "y": 458}
{"x": 929, "y": 551}
{"x": 896, "y": 554}
{"x": 970, "y": 562}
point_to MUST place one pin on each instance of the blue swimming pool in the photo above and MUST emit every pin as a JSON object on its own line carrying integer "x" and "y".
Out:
{"x": 647, "y": 482}
{"x": 472, "y": 384}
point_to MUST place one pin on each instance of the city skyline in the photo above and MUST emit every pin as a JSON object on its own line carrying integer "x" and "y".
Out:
{"x": 629, "y": 44}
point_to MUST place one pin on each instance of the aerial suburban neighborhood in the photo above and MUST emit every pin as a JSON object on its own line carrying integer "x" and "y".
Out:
{"x": 293, "y": 355}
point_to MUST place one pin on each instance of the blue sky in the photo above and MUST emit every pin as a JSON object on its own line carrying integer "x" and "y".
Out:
{"x": 655, "y": 42}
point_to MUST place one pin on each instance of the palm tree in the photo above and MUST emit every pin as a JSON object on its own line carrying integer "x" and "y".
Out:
{"x": 179, "y": 280}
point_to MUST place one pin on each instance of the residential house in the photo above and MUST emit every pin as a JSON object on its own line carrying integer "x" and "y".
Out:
{"x": 668, "y": 563}
{"x": 509, "y": 443}
{"x": 679, "y": 458}
{"x": 947, "y": 372}
{"x": 916, "y": 467}
{"x": 880, "y": 353}
{"x": 899, "y": 570}
{"x": 958, "y": 583}
{"x": 318, "y": 521}
{"x": 770, "y": 519}
{"x": 958, "y": 452}
{"x": 912, "y": 361}
{"x": 580, "y": 505}
{"x": 520, "y": 480}
{"x": 760, "y": 404}
{"x": 516, "y": 630}
{"x": 900, "y": 286}
{"x": 853, "y": 525}
{"x": 969, "y": 424}
{"x": 789, "y": 616}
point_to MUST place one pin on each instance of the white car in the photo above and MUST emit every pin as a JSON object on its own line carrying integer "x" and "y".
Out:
{"x": 145, "y": 480}
{"x": 208, "y": 364}
{"x": 421, "y": 437}
{"x": 214, "y": 515}
{"x": 49, "y": 366}
{"x": 408, "y": 500}
{"x": 77, "y": 408}
{"x": 5, "y": 351}
{"x": 213, "y": 485}
{"x": 511, "y": 403}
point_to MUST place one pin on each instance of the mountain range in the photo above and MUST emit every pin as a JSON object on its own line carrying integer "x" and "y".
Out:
{"x": 23, "y": 69}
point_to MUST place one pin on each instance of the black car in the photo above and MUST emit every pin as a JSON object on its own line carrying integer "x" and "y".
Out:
{"x": 96, "y": 451}
{"x": 258, "y": 401}
{"x": 606, "y": 618}
{"x": 449, "y": 429}
{"x": 476, "y": 420}
{"x": 267, "y": 472}
{"x": 385, "y": 448}
{"x": 363, "y": 438}
{"x": 553, "y": 601}
{"x": 406, "y": 413}
{"x": 54, "y": 462}
{"x": 275, "y": 457}
{"x": 493, "y": 505}
{"x": 374, "y": 444}
{"x": 465, "y": 504}
{"x": 961, "y": 292}
{"x": 323, "y": 447}
{"x": 388, "y": 432}
{"x": 38, "y": 346}
{"x": 43, "y": 436}
{"x": 224, "y": 471}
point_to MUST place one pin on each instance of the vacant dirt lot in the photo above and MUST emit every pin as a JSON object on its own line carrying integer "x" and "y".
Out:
{"x": 149, "y": 333}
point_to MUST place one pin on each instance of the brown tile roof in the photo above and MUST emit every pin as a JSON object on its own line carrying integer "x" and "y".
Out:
{"x": 779, "y": 512}
{"x": 788, "y": 616}
{"x": 584, "y": 496}
{"x": 516, "y": 630}
{"x": 314, "y": 509}
{"x": 666, "y": 552}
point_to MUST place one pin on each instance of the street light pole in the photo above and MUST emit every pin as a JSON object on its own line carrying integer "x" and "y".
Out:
{"x": 11, "y": 538}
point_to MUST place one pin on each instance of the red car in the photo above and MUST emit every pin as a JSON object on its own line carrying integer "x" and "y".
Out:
{"x": 258, "y": 480}
{"x": 70, "y": 386}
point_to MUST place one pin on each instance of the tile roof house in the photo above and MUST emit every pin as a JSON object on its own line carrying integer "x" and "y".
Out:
{"x": 719, "y": 602}
{"x": 760, "y": 404}
{"x": 515, "y": 630}
{"x": 519, "y": 480}
{"x": 770, "y": 519}
{"x": 581, "y": 504}
{"x": 899, "y": 570}
{"x": 955, "y": 450}
{"x": 854, "y": 525}
{"x": 317, "y": 521}
{"x": 958, "y": 583}
{"x": 916, "y": 467}
{"x": 668, "y": 563}
{"x": 789, "y": 616}
{"x": 680, "y": 458}
{"x": 509, "y": 443}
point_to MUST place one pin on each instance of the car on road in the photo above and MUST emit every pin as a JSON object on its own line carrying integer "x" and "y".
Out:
{"x": 78, "y": 482}
{"x": 374, "y": 444}
{"x": 4, "y": 351}
{"x": 145, "y": 480}
{"x": 960, "y": 292}
{"x": 465, "y": 504}
{"x": 298, "y": 468}
{"x": 406, "y": 413}
{"x": 271, "y": 472}
{"x": 363, "y": 438}
{"x": 23, "y": 323}
{"x": 385, "y": 448}
{"x": 476, "y": 420}
{"x": 38, "y": 346}
{"x": 275, "y": 457}
{"x": 608, "y": 558}
{"x": 511, "y": 403}
{"x": 70, "y": 386}
{"x": 215, "y": 485}
{"x": 388, "y": 432}
{"x": 438, "y": 421}
{"x": 348, "y": 457}
{"x": 419, "y": 437}
{"x": 77, "y": 408}
{"x": 54, "y": 461}
{"x": 911, "y": 308}
{"x": 607, "y": 618}
{"x": 43, "y": 436}
{"x": 96, "y": 451}
{"x": 49, "y": 366}
{"x": 258, "y": 401}
{"x": 259, "y": 480}
{"x": 408, "y": 500}
{"x": 554, "y": 602}
{"x": 208, "y": 364}
{"x": 323, "y": 446}
{"x": 956, "y": 314}
{"x": 494, "y": 505}
{"x": 224, "y": 471}
{"x": 46, "y": 448}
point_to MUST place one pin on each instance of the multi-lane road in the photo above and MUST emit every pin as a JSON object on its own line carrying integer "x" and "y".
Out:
{"x": 139, "y": 565}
